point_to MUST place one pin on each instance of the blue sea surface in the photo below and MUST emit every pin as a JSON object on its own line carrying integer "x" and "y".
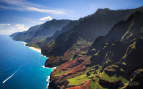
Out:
{"x": 20, "y": 66}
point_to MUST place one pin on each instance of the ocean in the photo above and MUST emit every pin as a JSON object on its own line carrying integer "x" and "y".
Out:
{"x": 21, "y": 67}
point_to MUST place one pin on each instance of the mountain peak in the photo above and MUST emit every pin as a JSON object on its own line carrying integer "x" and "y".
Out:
{"x": 103, "y": 10}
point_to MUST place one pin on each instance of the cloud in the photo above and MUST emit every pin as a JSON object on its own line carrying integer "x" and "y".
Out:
{"x": 5, "y": 24}
{"x": 44, "y": 10}
{"x": 23, "y": 5}
{"x": 7, "y": 29}
{"x": 21, "y": 27}
{"x": 48, "y": 18}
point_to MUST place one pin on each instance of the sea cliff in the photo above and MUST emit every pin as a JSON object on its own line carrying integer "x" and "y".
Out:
{"x": 100, "y": 51}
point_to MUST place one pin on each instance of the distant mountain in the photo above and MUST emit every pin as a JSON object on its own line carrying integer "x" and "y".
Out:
{"x": 51, "y": 39}
{"x": 39, "y": 33}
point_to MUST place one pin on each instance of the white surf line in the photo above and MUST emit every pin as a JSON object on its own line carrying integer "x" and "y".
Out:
{"x": 24, "y": 43}
{"x": 4, "y": 81}
{"x": 48, "y": 77}
{"x": 43, "y": 66}
{"x": 47, "y": 80}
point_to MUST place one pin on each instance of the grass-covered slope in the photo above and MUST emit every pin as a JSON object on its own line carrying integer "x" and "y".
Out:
{"x": 37, "y": 34}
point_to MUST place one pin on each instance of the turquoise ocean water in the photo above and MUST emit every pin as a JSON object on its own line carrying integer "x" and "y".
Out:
{"x": 21, "y": 67}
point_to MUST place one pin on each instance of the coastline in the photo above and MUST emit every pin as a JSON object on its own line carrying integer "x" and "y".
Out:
{"x": 39, "y": 51}
{"x": 35, "y": 49}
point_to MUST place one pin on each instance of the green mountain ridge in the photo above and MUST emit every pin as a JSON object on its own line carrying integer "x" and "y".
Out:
{"x": 100, "y": 51}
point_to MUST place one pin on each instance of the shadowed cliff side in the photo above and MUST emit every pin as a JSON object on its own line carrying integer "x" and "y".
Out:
{"x": 113, "y": 61}
{"x": 82, "y": 34}
{"x": 37, "y": 34}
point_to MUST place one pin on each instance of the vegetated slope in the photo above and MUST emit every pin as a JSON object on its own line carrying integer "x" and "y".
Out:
{"x": 113, "y": 61}
{"x": 100, "y": 51}
{"x": 51, "y": 39}
{"x": 85, "y": 31}
{"x": 39, "y": 33}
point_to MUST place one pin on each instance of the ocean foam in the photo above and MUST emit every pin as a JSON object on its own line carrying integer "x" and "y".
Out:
{"x": 47, "y": 80}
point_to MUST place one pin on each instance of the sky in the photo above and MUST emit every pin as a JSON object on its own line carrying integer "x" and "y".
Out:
{"x": 19, "y": 15}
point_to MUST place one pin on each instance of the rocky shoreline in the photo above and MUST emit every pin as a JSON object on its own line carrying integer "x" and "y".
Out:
{"x": 39, "y": 51}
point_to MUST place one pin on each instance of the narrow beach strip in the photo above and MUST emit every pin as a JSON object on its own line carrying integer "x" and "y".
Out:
{"x": 36, "y": 49}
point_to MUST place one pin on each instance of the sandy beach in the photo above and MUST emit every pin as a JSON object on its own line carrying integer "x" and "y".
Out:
{"x": 33, "y": 48}
{"x": 36, "y": 49}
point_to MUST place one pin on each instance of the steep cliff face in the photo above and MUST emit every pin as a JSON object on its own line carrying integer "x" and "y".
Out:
{"x": 113, "y": 61}
{"x": 85, "y": 31}
{"x": 37, "y": 34}
{"x": 50, "y": 40}
{"x": 26, "y": 35}
{"x": 101, "y": 51}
